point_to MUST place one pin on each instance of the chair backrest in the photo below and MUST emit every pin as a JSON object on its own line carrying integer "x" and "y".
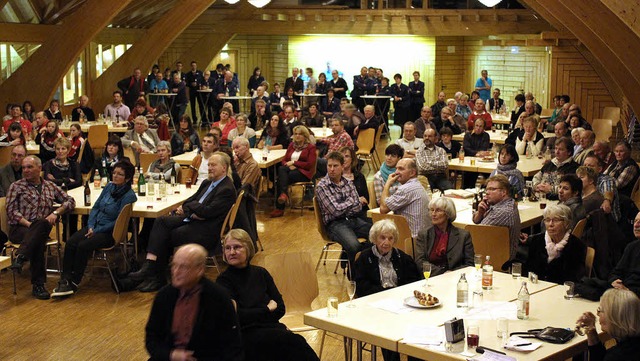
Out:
{"x": 98, "y": 135}
{"x": 5, "y": 155}
{"x": 547, "y": 112}
{"x": 295, "y": 277}
{"x": 231, "y": 215}
{"x": 4, "y": 219}
{"x": 588, "y": 260}
{"x": 603, "y": 129}
{"x": 404, "y": 232}
{"x": 579, "y": 228}
{"x": 366, "y": 139}
{"x": 635, "y": 193}
{"x": 491, "y": 241}
{"x": 373, "y": 203}
{"x": 612, "y": 113}
{"x": 146, "y": 159}
{"x": 122, "y": 224}
{"x": 81, "y": 152}
{"x": 378, "y": 135}
{"x": 319, "y": 223}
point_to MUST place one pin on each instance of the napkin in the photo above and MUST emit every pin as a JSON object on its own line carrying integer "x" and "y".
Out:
{"x": 515, "y": 340}
{"x": 392, "y": 305}
{"x": 423, "y": 335}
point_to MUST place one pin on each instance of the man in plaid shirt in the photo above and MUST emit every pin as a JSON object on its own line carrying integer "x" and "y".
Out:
{"x": 31, "y": 216}
{"x": 339, "y": 139}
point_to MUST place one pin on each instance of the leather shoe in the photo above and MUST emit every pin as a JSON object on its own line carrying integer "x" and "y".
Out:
{"x": 18, "y": 263}
{"x": 283, "y": 199}
{"x": 149, "y": 269}
{"x": 276, "y": 213}
{"x": 40, "y": 292}
{"x": 152, "y": 285}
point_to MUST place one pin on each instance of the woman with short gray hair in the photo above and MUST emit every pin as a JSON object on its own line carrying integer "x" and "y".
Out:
{"x": 443, "y": 245}
{"x": 555, "y": 255}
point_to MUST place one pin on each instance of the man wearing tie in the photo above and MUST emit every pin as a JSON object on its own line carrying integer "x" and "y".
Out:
{"x": 199, "y": 220}
{"x": 294, "y": 82}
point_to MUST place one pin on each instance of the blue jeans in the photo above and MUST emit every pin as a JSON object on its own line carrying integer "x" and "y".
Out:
{"x": 347, "y": 231}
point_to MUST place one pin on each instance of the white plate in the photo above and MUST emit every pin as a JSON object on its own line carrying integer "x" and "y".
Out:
{"x": 413, "y": 302}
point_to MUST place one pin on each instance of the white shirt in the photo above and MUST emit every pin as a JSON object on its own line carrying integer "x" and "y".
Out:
{"x": 203, "y": 171}
{"x": 410, "y": 146}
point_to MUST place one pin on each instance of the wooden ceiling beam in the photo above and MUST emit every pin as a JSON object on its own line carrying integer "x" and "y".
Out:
{"x": 64, "y": 45}
{"x": 37, "y": 34}
{"x": 149, "y": 48}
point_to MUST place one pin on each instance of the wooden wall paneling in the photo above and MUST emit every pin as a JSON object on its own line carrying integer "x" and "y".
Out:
{"x": 64, "y": 45}
{"x": 575, "y": 76}
{"x": 206, "y": 48}
{"x": 146, "y": 50}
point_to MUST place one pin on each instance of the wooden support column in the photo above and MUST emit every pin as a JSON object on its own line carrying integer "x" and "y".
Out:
{"x": 146, "y": 50}
{"x": 612, "y": 43}
{"x": 58, "y": 53}
{"x": 206, "y": 48}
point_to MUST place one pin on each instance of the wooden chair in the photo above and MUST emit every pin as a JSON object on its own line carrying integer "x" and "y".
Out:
{"x": 366, "y": 144}
{"x": 229, "y": 220}
{"x": 98, "y": 135}
{"x": 579, "y": 228}
{"x": 376, "y": 148}
{"x": 5, "y": 155}
{"x": 305, "y": 185}
{"x": 405, "y": 239}
{"x": 588, "y": 260}
{"x": 52, "y": 244}
{"x": 297, "y": 282}
{"x": 492, "y": 241}
{"x": 373, "y": 203}
{"x": 612, "y": 113}
{"x": 146, "y": 159}
{"x": 119, "y": 234}
{"x": 603, "y": 129}
{"x": 327, "y": 242}
{"x": 547, "y": 112}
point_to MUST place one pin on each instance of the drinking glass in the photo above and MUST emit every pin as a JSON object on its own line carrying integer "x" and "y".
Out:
{"x": 477, "y": 261}
{"x": 426, "y": 271}
{"x": 351, "y": 291}
{"x": 516, "y": 270}
{"x": 526, "y": 194}
{"x": 570, "y": 286}
{"x": 502, "y": 328}
{"x": 332, "y": 307}
{"x": 473, "y": 337}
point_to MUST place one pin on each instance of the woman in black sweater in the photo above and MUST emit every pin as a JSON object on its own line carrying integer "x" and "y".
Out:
{"x": 61, "y": 169}
{"x": 259, "y": 305}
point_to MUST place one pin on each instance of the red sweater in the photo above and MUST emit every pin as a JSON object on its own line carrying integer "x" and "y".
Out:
{"x": 488, "y": 122}
{"x": 306, "y": 162}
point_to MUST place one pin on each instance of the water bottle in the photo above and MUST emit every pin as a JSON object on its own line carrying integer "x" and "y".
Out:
{"x": 487, "y": 275}
{"x": 462, "y": 298}
{"x": 523, "y": 302}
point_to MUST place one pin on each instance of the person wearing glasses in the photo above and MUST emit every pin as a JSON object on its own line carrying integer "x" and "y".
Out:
{"x": 619, "y": 317}
{"x": 499, "y": 209}
{"x": 556, "y": 255}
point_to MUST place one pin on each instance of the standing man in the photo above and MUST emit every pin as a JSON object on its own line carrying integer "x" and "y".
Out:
{"x": 193, "y": 79}
{"x": 178, "y": 71}
{"x": 193, "y": 318}
{"x": 132, "y": 88}
{"x": 31, "y": 216}
{"x": 499, "y": 209}
{"x": 294, "y": 82}
{"x": 178, "y": 87}
{"x": 410, "y": 200}
{"x": 483, "y": 86}
{"x": 432, "y": 162}
{"x": 416, "y": 91}
{"x": 225, "y": 87}
{"x": 12, "y": 171}
{"x": 339, "y": 85}
{"x": 360, "y": 84}
{"x": 339, "y": 206}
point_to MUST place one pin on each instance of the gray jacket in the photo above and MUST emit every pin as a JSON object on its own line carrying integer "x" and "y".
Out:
{"x": 459, "y": 249}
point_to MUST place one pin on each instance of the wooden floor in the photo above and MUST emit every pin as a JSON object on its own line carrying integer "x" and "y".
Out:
{"x": 98, "y": 324}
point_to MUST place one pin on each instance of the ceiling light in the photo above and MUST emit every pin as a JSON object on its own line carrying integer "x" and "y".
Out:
{"x": 487, "y": 3}
{"x": 231, "y": 1}
{"x": 259, "y": 3}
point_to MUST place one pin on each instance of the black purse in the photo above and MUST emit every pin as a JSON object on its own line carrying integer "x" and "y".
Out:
{"x": 548, "y": 334}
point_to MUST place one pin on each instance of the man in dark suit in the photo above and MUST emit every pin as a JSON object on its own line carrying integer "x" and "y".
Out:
{"x": 416, "y": 92}
{"x": 12, "y": 171}
{"x": 360, "y": 85}
{"x": 495, "y": 103}
{"x": 294, "y": 82}
{"x": 132, "y": 88}
{"x": 193, "y": 79}
{"x": 199, "y": 220}
{"x": 339, "y": 85}
{"x": 181, "y": 327}
{"x": 224, "y": 87}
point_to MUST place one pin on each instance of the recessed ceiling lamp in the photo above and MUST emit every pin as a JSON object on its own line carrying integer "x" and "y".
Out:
{"x": 487, "y": 3}
{"x": 231, "y": 1}
{"x": 257, "y": 3}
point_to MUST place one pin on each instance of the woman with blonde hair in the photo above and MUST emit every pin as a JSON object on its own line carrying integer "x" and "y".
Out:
{"x": 619, "y": 316}
{"x": 259, "y": 305}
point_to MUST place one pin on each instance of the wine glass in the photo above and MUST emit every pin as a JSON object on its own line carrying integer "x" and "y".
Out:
{"x": 426, "y": 271}
{"x": 477, "y": 261}
{"x": 526, "y": 193}
{"x": 351, "y": 291}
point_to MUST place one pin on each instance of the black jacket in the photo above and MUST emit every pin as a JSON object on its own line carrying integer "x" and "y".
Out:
{"x": 569, "y": 266}
{"x": 216, "y": 333}
{"x": 367, "y": 272}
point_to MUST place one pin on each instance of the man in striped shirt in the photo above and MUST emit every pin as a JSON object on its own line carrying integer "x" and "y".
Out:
{"x": 410, "y": 199}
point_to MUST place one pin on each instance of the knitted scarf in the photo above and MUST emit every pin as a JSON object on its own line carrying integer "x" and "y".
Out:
{"x": 385, "y": 171}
